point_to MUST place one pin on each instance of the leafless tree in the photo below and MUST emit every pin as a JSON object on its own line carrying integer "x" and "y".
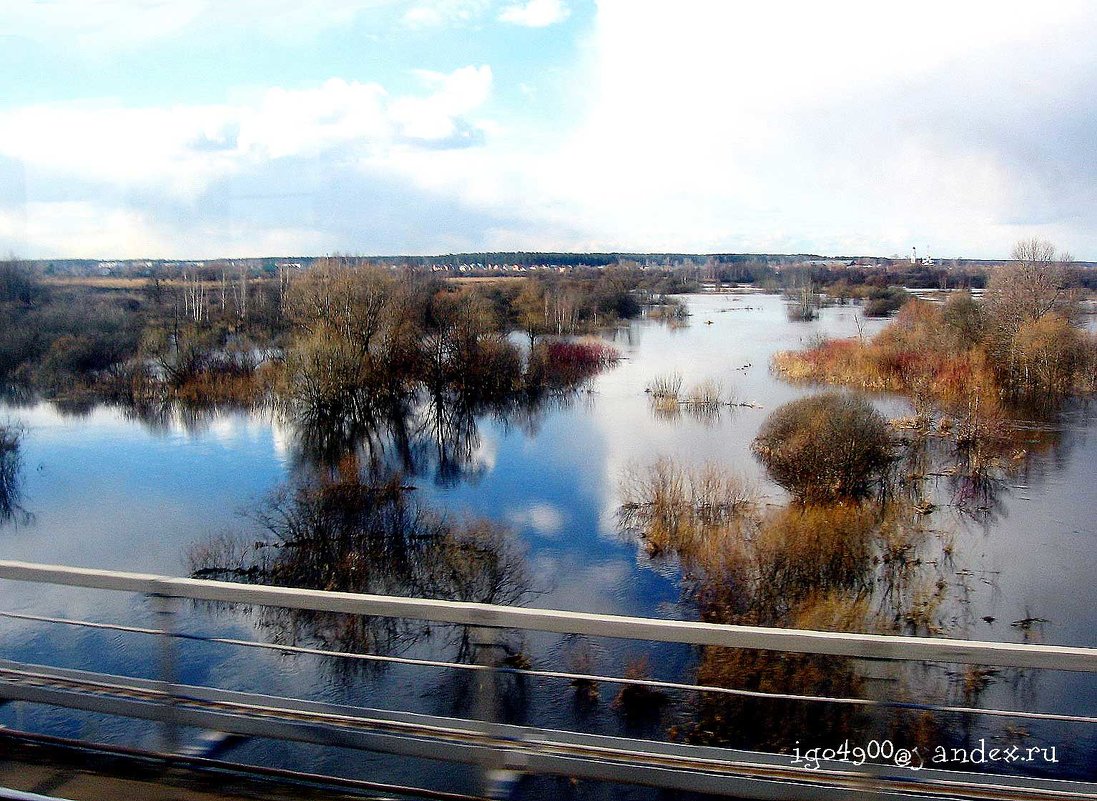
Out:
{"x": 1035, "y": 283}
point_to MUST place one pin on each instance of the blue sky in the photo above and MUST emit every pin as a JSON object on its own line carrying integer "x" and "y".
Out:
{"x": 192, "y": 128}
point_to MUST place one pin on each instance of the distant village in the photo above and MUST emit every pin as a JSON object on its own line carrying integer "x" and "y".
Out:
{"x": 703, "y": 266}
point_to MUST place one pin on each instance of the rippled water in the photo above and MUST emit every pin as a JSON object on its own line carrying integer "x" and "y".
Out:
{"x": 108, "y": 490}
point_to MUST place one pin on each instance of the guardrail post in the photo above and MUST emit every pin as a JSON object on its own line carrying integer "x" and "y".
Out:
{"x": 499, "y": 777}
{"x": 165, "y": 608}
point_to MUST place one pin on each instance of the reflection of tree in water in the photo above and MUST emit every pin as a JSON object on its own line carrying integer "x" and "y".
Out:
{"x": 417, "y": 431}
{"x": 162, "y": 415}
{"x": 971, "y": 466}
{"x": 426, "y": 433}
{"x": 10, "y": 467}
{"x": 347, "y": 534}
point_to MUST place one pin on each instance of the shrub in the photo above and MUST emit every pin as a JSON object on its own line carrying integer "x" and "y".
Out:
{"x": 825, "y": 447}
{"x": 803, "y": 310}
{"x": 964, "y": 318}
{"x": 882, "y": 302}
{"x": 1048, "y": 352}
{"x": 20, "y": 284}
{"x": 672, "y": 309}
{"x": 493, "y": 371}
{"x": 922, "y": 353}
{"x": 556, "y": 363}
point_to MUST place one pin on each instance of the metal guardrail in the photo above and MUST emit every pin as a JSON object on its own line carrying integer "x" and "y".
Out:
{"x": 504, "y": 751}
{"x": 864, "y": 646}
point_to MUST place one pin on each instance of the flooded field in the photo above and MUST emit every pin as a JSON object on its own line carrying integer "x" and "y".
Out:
{"x": 539, "y": 489}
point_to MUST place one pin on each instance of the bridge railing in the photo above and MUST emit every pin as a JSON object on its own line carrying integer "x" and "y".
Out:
{"x": 511, "y": 749}
{"x": 865, "y": 646}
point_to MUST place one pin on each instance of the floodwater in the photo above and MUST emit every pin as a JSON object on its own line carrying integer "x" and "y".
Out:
{"x": 107, "y": 488}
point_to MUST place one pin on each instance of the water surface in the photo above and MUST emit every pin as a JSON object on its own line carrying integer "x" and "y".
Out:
{"x": 109, "y": 489}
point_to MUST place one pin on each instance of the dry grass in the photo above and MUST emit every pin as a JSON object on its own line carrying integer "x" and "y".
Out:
{"x": 668, "y": 385}
{"x": 936, "y": 356}
{"x": 701, "y": 402}
{"x": 671, "y": 310}
{"x": 127, "y": 283}
{"x": 705, "y": 393}
{"x": 924, "y": 357}
{"x": 236, "y": 385}
{"x": 684, "y": 510}
{"x": 580, "y": 659}
{"x": 10, "y": 464}
{"x": 95, "y": 281}
{"x": 637, "y": 701}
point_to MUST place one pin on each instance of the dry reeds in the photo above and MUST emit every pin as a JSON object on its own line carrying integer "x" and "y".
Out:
{"x": 681, "y": 509}
{"x": 701, "y": 402}
{"x": 705, "y": 393}
{"x": 666, "y": 386}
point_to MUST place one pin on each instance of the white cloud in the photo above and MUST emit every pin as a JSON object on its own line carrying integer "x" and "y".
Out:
{"x": 535, "y": 13}
{"x": 72, "y": 226}
{"x": 98, "y": 179}
{"x": 103, "y": 26}
{"x": 438, "y": 13}
{"x": 543, "y": 518}
{"x": 702, "y": 126}
{"x": 182, "y": 148}
{"x": 438, "y": 116}
{"x": 720, "y": 126}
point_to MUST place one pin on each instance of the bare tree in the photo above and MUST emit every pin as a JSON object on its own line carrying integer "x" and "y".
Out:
{"x": 339, "y": 301}
{"x": 194, "y": 299}
{"x": 1035, "y": 283}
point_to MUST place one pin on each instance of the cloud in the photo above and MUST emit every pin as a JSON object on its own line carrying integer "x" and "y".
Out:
{"x": 37, "y": 227}
{"x": 826, "y": 127}
{"x": 535, "y": 13}
{"x": 440, "y": 117}
{"x": 103, "y": 26}
{"x": 854, "y": 127}
{"x": 99, "y": 179}
{"x": 439, "y": 13}
{"x": 543, "y": 518}
{"x": 183, "y": 147}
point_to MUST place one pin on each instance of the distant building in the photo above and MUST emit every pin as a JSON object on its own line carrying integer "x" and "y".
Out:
{"x": 925, "y": 260}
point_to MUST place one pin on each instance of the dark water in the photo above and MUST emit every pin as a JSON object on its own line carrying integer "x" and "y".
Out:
{"x": 107, "y": 489}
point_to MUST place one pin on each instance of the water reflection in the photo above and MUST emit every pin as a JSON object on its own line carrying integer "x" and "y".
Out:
{"x": 435, "y": 434}
{"x": 886, "y": 564}
{"x": 10, "y": 468}
{"x": 1011, "y": 543}
{"x": 359, "y": 532}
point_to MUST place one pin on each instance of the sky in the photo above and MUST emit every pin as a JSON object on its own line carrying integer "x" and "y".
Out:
{"x": 204, "y": 129}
